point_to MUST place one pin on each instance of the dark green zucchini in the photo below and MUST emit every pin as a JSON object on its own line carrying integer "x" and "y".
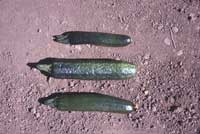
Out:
{"x": 96, "y": 38}
{"x": 72, "y": 101}
{"x": 86, "y": 69}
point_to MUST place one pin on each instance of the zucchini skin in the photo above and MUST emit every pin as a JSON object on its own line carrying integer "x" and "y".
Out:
{"x": 83, "y": 101}
{"x": 96, "y": 38}
{"x": 87, "y": 69}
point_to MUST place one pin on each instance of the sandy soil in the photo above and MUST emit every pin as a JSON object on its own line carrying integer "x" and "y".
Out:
{"x": 166, "y": 49}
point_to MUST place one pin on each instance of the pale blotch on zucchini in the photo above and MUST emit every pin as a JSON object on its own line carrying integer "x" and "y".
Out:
{"x": 129, "y": 108}
{"x": 44, "y": 67}
{"x": 129, "y": 40}
{"x": 128, "y": 69}
{"x": 49, "y": 102}
{"x": 62, "y": 38}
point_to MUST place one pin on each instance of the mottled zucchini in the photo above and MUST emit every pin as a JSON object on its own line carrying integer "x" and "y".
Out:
{"x": 86, "y": 69}
{"x": 73, "y": 101}
{"x": 96, "y": 38}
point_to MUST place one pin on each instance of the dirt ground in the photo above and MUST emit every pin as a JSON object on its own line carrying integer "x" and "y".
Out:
{"x": 166, "y": 50}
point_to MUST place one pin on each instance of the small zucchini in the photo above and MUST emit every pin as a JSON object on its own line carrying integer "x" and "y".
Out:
{"x": 86, "y": 69}
{"x": 83, "y": 101}
{"x": 96, "y": 38}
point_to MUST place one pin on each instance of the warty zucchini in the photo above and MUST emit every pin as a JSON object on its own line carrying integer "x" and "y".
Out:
{"x": 85, "y": 69}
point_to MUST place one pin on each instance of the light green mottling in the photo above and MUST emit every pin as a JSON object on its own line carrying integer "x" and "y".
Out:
{"x": 44, "y": 67}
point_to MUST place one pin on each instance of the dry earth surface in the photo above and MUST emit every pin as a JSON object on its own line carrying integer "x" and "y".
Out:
{"x": 166, "y": 50}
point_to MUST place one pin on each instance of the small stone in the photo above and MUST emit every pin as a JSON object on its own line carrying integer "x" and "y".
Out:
{"x": 171, "y": 89}
{"x": 34, "y": 69}
{"x": 193, "y": 75}
{"x": 151, "y": 126}
{"x": 117, "y": 58}
{"x": 136, "y": 125}
{"x": 175, "y": 29}
{"x": 32, "y": 110}
{"x": 154, "y": 109}
{"x": 71, "y": 84}
{"x": 37, "y": 115}
{"x": 192, "y": 17}
{"x": 137, "y": 97}
{"x": 160, "y": 27}
{"x": 179, "y": 110}
{"x": 136, "y": 106}
{"x": 172, "y": 100}
{"x": 78, "y": 47}
{"x": 89, "y": 46}
{"x": 146, "y": 62}
{"x": 173, "y": 108}
{"x": 154, "y": 24}
{"x": 149, "y": 98}
{"x": 129, "y": 115}
{"x": 147, "y": 56}
{"x": 39, "y": 30}
{"x": 146, "y": 92}
{"x": 167, "y": 41}
{"x": 164, "y": 126}
{"x": 179, "y": 53}
{"x": 131, "y": 89}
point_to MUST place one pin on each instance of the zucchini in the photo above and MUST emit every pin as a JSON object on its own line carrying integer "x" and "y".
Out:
{"x": 85, "y": 69}
{"x": 96, "y": 38}
{"x": 83, "y": 101}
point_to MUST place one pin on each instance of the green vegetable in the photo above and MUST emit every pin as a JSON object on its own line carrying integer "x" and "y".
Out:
{"x": 72, "y": 101}
{"x": 86, "y": 69}
{"x": 97, "y": 38}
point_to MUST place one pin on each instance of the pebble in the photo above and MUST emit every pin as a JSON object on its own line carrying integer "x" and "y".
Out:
{"x": 198, "y": 28}
{"x": 39, "y": 30}
{"x": 167, "y": 41}
{"x": 88, "y": 45}
{"x": 192, "y": 17}
{"x": 71, "y": 84}
{"x": 173, "y": 108}
{"x": 78, "y": 47}
{"x": 146, "y": 62}
{"x": 154, "y": 109}
{"x": 179, "y": 110}
{"x": 149, "y": 98}
{"x": 37, "y": 115}
{"x": 147, "y": 56}
{"x": 146, "y": 92}
{"x": 160, "y": 27}
{"x": 117, "y": 58}
{"x": 32, "y": 110}
{"x": 34, "y": 69}
{"x": 137, "y": 97}
{"x": 172, "y": 100}
{"x": 179, "y": 53}
{"x": 151, "y": 126}
{"x": 136, "y": 105}
{"x": 129, "y": 115}
{"x": 175, "y": 29}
